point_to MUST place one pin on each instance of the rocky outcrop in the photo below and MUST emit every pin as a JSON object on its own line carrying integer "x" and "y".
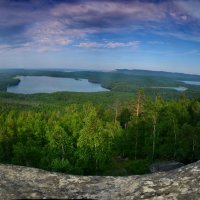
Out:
{"x": 165, "y": 166}
{"x": 22, "y": 182}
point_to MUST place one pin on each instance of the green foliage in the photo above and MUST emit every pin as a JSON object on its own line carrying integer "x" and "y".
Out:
{"x": 124, "y": 82}
{"x": 137, "y": 166}
{"x": 122, "y": 138}
{"x": 114, "y": 133}
{"x": 94, "y": 142}
{"x": 60, "y": 165}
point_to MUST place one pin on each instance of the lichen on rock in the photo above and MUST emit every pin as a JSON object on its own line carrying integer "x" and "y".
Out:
{"x": 19, "y": 182}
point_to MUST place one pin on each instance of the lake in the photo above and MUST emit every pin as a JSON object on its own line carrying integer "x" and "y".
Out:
{"x": 191, "y": 82}
{"x": 180, "y": 89}
{"x": 45, "y": 84}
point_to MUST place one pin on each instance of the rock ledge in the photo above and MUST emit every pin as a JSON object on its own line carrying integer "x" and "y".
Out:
{"x": 18, "y": 182}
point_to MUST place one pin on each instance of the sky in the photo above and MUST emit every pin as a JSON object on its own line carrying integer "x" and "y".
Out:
{"x": 161, "y": 35}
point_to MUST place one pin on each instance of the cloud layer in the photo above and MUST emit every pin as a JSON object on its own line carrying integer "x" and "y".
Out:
{"x": 53, "y": 25}
{"x": 110, "y": 45}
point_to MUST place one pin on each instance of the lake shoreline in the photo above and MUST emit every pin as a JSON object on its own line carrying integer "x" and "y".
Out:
{"x": 48, "y": 84}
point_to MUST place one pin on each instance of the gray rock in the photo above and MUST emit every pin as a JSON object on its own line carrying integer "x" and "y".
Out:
{"x": 165, "y": 166}
{"x": 17, "y": 182}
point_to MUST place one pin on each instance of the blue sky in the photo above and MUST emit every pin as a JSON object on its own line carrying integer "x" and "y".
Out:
{"x": 101, "y": 34}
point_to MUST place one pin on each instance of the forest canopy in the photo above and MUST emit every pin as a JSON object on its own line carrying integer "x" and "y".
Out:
{"x": 121, "y": 139}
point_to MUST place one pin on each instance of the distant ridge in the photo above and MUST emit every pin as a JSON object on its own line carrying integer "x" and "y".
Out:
{"x": 139, "y": 72}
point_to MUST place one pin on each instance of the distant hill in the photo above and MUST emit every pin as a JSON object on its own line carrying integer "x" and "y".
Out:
{"x": 173, "y": 75}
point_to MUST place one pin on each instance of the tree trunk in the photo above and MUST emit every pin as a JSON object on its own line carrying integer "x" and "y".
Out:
{"x": 154, "y": 139}
{"x": 136, "y": 144}
{"x": 126, "y": 125}
{"x": 96, "y": 162}
{"x": 63, "y": 152}
{"x": 116, "y": 113}
{"x": 193, "y": 148}
{"x": 138, "y": 111}
{"x": 175, "y": 140}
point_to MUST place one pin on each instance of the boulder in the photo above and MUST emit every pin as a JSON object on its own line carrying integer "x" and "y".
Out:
{"x": 17, "y": 182}
{"x": 165, "y": 166}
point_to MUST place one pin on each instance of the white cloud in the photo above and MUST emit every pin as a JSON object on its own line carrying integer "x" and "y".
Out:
{"x": 48, "y": 35}
{"x": 109, "y": 45}
{"x": 57, "y": 26}
{"x": 102, "y": 9}
{"x": 90, "y": 45}
{"x": 191, "y": 7}
{"x": 4, "y": 46}
{"x": 122, "y": 44}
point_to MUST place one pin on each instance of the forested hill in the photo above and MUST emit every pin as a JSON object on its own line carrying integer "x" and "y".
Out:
{"x": 175, "y": 75}
{"x": 167, "y": 85}
{"x": 119, "y": 132}
{"x": 89, "y": 139}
